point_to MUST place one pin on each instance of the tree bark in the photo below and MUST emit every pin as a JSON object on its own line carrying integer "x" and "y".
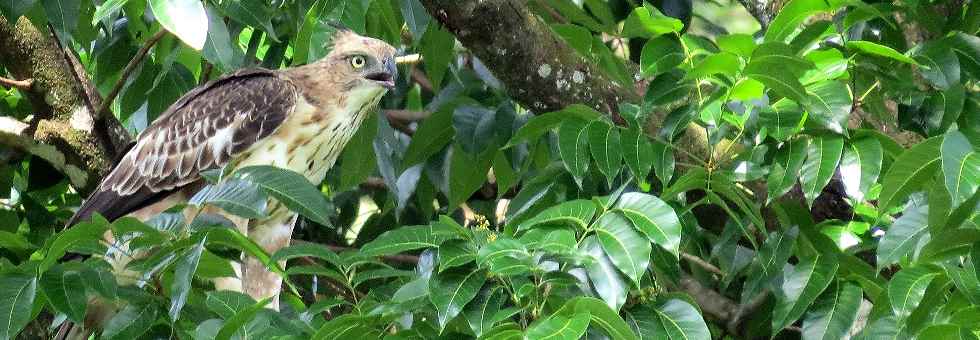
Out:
{"x": 65, "y": 131}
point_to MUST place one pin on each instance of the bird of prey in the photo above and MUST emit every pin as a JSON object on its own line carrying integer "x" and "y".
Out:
{"x": 296, "y": 118}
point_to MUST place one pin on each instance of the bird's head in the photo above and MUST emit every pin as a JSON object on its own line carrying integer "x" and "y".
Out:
{"x": 362, "y": 61}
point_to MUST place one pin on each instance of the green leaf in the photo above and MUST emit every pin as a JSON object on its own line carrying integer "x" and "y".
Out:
{"x": 107, "y": 8}
{"x": 480, "y": 314}
{"x": 357, "y": 161}
{"x": 823, "y": 154}
{"x": 307, "y": 249}
{"x": 967, "y": 48}
{"x": 376, "y": 274}
{"x": 577, "y": 213}
{"x": 605, "y": 147}
{"x": 64, "y": 287}
{"x": 792, "y": 16}
{"x": 783, "y": 119}
{"x": 576, "y": 36}
{"x": 786, "y": 167}
{"x": 474, "y": 127}
{"x": 800, "y": 288}
{"x": 833, "y": 313}
{"x": 769, "y": 261}
{"x": 415, "y": 16}
{"x": 134, "y": 320}
{"x": 880, "y": 50}
{"x": 860, "y": 166}
{"x": 654, "y": 218}
{"x": 647, "y": 22}
{"x": 908, "y": 173}
{"x": 776, "y": 66}
{"x": 186, "y": 19}
{"x": 80, "y": 232}
{"x": 541, "y": 124}
{"x": 16, "y": 298}
{"x": 431, "y": 136}
{"x": 573, "y": 146}
{"x": 291, "y": 189}
{"x": 241, "y": 318}
{"x": 348, "y": 326}
{"x": 663, "y": 162}
{"x": 505, "y": 256}
{"x": 660, "y": 54}
{"x": 723, "y": 63}
{"x": 907, "y": 288}
{"x": 463, "y": 167}
{"x": 408, "y": 238}
{"x": 451, "y": 291}
{"x": 607, "y": 282}
{"x": 627, "y": 248}
{"x": 437, "y": 51}
{"x": 961, "y": 166}
{"x": 183, "y": 274}
{"x": 601, "y": 315}
{"x": 902, "y": 236}
{"x": 681, "y": 321}
{"x": 943, "y": 68}
{"x": 638, "y": 153}
{"x": 63, "y": 15}
{"x": 238, "y": 197}
{"x": 830, "y": 104}
{"x": 738, "y": 43}
{"x": 559, "y": 327}
{"x": 219, "y": 48}
{"x": 226, "y": 303}
{"x": 257, "y": 14}
{"x": 830, "y": 64}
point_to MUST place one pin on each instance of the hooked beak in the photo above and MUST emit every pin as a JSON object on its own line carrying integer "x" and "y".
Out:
{"x": 387, "y": 76}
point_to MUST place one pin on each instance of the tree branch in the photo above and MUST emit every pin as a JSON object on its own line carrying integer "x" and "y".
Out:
{"x": 140, "y": 55}
{"x": 538, "y": 68}
{"x": 65, "y": 130}
{"x": 17, "y": 84}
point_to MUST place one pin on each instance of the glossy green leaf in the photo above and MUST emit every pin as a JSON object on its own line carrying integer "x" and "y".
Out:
{"x": 791, "y": 16}
{"x": 480, "y": 314}
{"x": 681, "y": 321}
{"x": 961, "y": 166}
{"x": 604, "y": 144}
{"x": 106, "y": 9}
{"x": 602, "y": 317}
{"x": 289, "y": 188}
{"x": 416, "y": 18}
{"x": 628, "y": 249}
{"x": 437, "y": 50}
{"x": 654, "y": 218}
{"x": 577, "y": 213}
{"x": 663, "y": 162}
{"x": 238, "y": 197}
{"x": 474, "y": 128}
{"x": 638, "y": 153}
{"x": 783, "y": 119}
{"x": 131, "y": 322}
{"x": 226, "y": 303}
{"x": 860, "y": 166}
{"x": 63, "y": 15}
{"x": 660, "y": 54}
{"x": 909, "y": 172}
{"x": 830, "y": 104}
{"x": 573, "y": 146}
{"x": 907, "y": 288}
{"x": 349, "y": 326}
{"x": 64, "y": 287}
{"x": 431, "y": 136}
{"x": 257, "y": 14}
{"x": 237, "y": 323}
{"x": 879, "y": 50}
{"x": 451, "y": 291}
{"x": 357, "y": 160}
{"x": 834, "y": 312}
{"x": 608, "y": 282}
{"x": 769, "y": 261}
{"x": 183, "y": 274}
{"x": 830, "y": 64}
{"x": 823, "y": 155}
{"x": 455, "y": 253}
{"x": 186, "y": 19}
{"x": 903, "y": 235}
{"x": 647, "y": 22}
{"x": 557, "y": 327}
{"x": 800, "y": 287}
{"x": 408, "y": 238}
{"x": 16, "y": 298}
{"x": 505, "y": 256}
{"x": 219, "y": 47}
{"x": 776, "y": 66}
{"x": 786, "y": 167}
{"x": 541, "y": 124}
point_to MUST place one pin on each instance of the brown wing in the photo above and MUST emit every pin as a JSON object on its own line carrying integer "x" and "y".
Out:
{"x": 204, "y": 129}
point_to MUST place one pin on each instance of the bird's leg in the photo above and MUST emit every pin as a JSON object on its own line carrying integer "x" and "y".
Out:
{"x": 271, "y": 234}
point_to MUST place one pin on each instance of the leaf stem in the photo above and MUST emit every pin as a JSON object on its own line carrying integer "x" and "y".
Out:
{"x": 140, "y": 55}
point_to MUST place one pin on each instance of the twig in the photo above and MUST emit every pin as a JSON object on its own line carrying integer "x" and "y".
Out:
{"x": 551, "y": 11}
{"x": 407, "y": 115}
{"x": 702, "y": 263}
{"x": 401, "y": 126}
{"x": 408, "y": 59}
{"x": 374, "y": 183}
{"x": 128, "y": 70}
{"x": 421, "y": 79}
{"x": 18, "y": 84}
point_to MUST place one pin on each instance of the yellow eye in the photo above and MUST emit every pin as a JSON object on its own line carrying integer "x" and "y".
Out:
{"x": 357, "y": 61}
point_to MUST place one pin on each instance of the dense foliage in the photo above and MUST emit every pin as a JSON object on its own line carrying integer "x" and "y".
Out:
{"x": 814, "y": 179}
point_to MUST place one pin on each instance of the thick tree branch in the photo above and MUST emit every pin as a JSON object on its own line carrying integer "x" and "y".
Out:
{"x": 538, "y": 69}
{"x": 65, "y": 130}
